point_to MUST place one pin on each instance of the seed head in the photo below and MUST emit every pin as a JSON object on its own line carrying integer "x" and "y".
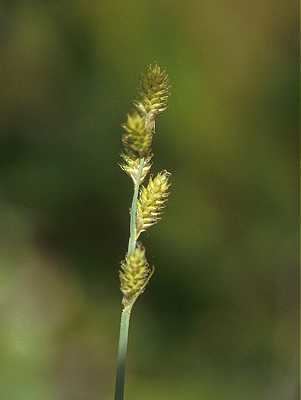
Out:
{"x": 153, "y": 92}
{"x": 137, "y": 139}
{"x": 134, "y": 275}
{"x": 151, "y": 201}
{"x": 131, "y": 167}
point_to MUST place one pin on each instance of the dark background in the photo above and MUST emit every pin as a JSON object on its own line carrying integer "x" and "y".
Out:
{"x": 219, "y": 319}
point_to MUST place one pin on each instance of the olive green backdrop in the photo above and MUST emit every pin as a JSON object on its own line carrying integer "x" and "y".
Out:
{"x": 219, "y": 319}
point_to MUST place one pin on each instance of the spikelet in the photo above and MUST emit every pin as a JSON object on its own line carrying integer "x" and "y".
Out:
{"x": 151, "y": 201}
{"x": 136, "y": 138}
{"x": 153, "y": 91}
{"x": 131, "y": 167}
{"x": 134, "y": 275}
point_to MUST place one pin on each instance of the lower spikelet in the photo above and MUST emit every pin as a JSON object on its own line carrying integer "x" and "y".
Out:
{"x": 152, "y": 200}
{"x": 134, "y": 275}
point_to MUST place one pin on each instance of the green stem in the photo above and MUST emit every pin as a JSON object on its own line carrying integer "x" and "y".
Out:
{"x": 126, "y": 312}
{"x": 122, "y": 350}
{"x": 133, "y": 228}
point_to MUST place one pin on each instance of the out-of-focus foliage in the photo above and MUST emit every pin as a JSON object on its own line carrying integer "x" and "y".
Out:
{"x": 220, "y": 319}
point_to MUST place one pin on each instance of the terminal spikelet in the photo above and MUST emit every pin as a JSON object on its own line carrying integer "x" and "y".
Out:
{"x": 136, "y": 138}
{"x": 131, "y": 167}
{"x": 152, "y": 200}
{"x": 154, "y": 92}
{"x": 134, "y": 275}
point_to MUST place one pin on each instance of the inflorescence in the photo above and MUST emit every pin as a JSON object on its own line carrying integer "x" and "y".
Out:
{"x": 137, "y": 139}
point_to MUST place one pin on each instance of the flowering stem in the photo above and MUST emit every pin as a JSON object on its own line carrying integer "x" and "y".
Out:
{"x": 126, "y": 312}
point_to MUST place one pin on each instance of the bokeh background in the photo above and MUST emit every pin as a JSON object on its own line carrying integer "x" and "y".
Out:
{"x": 219, "y": 320}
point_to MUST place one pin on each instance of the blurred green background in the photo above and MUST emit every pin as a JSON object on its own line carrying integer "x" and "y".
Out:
{"x": 219, "y": 319}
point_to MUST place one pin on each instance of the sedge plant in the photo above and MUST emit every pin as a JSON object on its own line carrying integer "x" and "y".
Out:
{"x": 148, "y": 200}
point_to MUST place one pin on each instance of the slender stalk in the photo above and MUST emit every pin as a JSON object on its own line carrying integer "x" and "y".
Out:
{"x": 126, "y": 312}
{"x": 122, "y": 350}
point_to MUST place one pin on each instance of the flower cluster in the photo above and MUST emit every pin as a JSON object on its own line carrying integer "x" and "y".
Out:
{"x": 152, "y": 100}
{"x": 134, "y": 274}
{"x": 153, "y": 91}
{"x": 151, "y": 201}
{"x": 137, "y": 139}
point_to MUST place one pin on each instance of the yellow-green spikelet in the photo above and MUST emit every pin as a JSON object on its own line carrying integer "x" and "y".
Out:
{"x": 154, "y": 91}
{"x": 136, "y": 138}
{"x": 152, "y": 200}
{"x": 134, "y": 275}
